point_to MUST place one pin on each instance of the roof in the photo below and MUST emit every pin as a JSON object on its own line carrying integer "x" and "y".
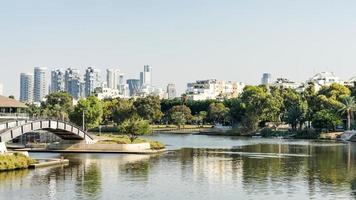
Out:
{"x": 6, "y": 102}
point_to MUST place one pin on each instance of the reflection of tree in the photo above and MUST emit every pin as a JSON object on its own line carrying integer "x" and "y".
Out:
{"x": 353, "y": 187}
{"x": 140, "y": 168}
{"x": 92, "y": 180}
{"x": 13, "y": 175}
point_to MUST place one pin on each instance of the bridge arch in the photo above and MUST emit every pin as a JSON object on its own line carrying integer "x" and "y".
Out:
{"x": 64, "y": 130}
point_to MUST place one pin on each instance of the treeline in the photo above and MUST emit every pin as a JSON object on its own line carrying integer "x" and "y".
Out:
{"x": 322, "y": 110}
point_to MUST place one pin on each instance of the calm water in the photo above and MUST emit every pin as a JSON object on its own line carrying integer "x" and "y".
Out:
{"x": 197, "y": 167}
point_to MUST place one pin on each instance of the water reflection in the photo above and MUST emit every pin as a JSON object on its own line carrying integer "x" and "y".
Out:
{"x": 255, "y": 170}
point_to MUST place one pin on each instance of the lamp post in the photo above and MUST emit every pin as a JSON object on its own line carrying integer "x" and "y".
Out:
{"x": 83, "y": 123}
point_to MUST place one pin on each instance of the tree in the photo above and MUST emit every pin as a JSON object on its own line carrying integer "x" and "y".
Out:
{"x": 335, "y": 91}
{"x": 218, "y": 112}
{"x": 135, "y": 127}
{"x": 348, "y": 107}
{"x": 202, "y": 116}
{"x": 92, "y": 109}
{"x": 295, "y": 108}
{"x": 149, "y": 108}
{"x": 181, "y": 108}
{"x": 325, "y": 119}
{"x": 57, "y": 105}
{"x": 178, "y": 118}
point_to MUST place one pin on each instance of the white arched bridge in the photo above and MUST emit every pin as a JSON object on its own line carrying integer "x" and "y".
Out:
{"x": 64, "y": 130}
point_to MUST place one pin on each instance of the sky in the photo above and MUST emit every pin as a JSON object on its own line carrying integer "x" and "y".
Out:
{"x": 183, "y": 40}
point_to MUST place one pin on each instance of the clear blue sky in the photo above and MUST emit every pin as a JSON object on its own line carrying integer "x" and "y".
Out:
{"x": 183, "y": 40}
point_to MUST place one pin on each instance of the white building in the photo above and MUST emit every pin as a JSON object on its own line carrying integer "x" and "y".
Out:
{"x": 324, "y": 79}
{"x": 285, "y": 83}
{"x": 112, "y": 78}
{"x": 107, "y": 93}
{"x": 40, "y": 84}
{"x": 92, "y": 80}
{"x": 26, "y": 87}
{"x": 213, "y": 89}
{"x": 57, "y": 80}
{"x": 171, "y": 91}
{"x": 147, "y": 75}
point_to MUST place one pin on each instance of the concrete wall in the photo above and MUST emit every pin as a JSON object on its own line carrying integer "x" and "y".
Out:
{"x": 3, "y": 148}
{"x": 101, "y": 147}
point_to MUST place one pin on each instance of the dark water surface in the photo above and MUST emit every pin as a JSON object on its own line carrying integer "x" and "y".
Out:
{"x": 197, "y": 168}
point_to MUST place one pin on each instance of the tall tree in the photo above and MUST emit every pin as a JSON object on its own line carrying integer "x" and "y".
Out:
{"x": 348, "y": 108}
{"x": 149, "y": 108}
{"x": 218, "y": 112}
{"x": 92, "y": 110}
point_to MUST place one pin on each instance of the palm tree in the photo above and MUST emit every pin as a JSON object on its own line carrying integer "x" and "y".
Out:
{"x": 348, "y": 107}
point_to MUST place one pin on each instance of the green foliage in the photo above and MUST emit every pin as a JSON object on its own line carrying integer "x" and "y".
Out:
{"x": 57, "y": 105}
{"x": 149, "y": 108}
{"x": 92, "y": 109}
{"x": 14, "y": 161}
{"x": 118, "y": 110}
{"x": 135, "y": 127}
{"x": 325, "y": 119}
{"x": 178, "y": 118}
{"x": 348, "y": 108}
{"x": 218, "y": 113}
{"x": 335, "y": 91}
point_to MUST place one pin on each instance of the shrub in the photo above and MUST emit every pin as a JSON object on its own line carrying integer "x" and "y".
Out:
{"x": 14, "y": 161}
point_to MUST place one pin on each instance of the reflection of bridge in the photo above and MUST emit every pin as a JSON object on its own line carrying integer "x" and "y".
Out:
{"x": 64, "y": 130}
{"x": 349, "y": 136}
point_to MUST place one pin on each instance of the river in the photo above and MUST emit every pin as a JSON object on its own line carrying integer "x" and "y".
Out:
{"x": 197, "y": 168}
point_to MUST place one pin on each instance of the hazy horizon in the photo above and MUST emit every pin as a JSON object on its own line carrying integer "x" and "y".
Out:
{"x": 182, "y": 40}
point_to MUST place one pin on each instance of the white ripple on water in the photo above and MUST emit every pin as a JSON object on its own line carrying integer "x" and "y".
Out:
{"x": 262, "y": 155}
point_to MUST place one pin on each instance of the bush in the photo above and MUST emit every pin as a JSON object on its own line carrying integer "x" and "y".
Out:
{"x": 14, "y": 161}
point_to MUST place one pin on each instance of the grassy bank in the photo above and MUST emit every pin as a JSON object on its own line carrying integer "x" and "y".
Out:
{"x": 155, "y": 128}
{"x": 14, "y": 161}
{"x": 123, "y": 139}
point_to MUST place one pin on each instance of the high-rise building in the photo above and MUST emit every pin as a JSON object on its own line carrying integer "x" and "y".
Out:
{"x": 147, "y": 75}
{"x": 171, "y": 91}
{"x": 40, "y": 86}
{"x": 26, "y": 87}
{"x": 57, "y": 80}
{"x": 92, "y": 80}
{"x": 1, "y": 89}
{"x": 134, "y": 86}
{"x": 266, "y": 79}
{"x": 73, "y": 83}
{"x": 141, "y": 79}
{"x": 112, "y": 78}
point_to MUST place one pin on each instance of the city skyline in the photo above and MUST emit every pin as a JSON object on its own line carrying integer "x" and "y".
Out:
{"x": 182, "y": 40}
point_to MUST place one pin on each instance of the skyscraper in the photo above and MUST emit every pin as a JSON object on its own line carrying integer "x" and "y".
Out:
{"x": 73, "y": 83}
{"x": 141, "y": 79}
{"x": 266, "y": 79}
{"x": 92, "y": 80}
{"x": 171, "y": 91}
{"x": 112, "y": 78}
{"x": 57, "y": 80}
{"x": 134, "y": 86}
{"x": 40, "y": 86}
{"x": 26, "y": 87}
{"x": 147, "y": 75}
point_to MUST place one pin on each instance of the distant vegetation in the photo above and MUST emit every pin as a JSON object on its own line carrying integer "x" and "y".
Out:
{"x": 320, "y": 111}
